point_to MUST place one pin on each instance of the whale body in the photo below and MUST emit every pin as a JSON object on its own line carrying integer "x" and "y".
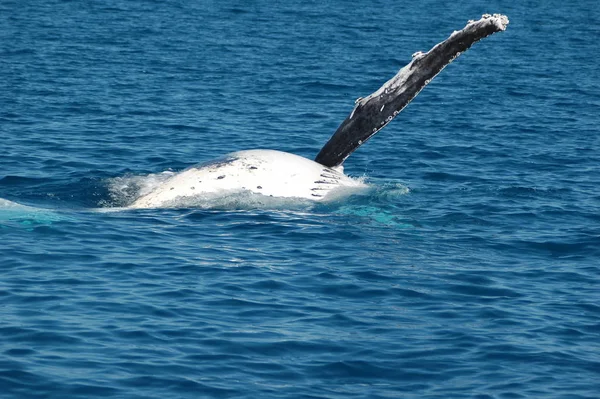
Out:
{"x": 267, "y": 172}
{"x": 279, "y": 174}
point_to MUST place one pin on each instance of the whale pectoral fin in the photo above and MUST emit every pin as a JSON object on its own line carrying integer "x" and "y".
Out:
{"x": 372, "y": 113}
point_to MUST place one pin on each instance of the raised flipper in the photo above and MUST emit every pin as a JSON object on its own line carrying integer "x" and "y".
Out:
{"x": 372, "y": 113}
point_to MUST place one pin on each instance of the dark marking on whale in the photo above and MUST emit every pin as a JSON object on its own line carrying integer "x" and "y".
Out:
{"x": 324, "y": 182}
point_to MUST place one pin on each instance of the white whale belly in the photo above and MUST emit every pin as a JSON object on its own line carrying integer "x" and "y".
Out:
{"x": 266, "y": 172}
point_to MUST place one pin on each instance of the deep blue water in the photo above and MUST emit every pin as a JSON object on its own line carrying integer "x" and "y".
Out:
{"x": 471, "y": 269}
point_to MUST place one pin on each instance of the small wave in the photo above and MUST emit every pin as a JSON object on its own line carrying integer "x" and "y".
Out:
{"x": 23, "y": 214}
{"x": 376, "y": 205}
{"x": 526, "y": 191}
{"x": 374, "y": 214}
{"x": 391, "y": 190}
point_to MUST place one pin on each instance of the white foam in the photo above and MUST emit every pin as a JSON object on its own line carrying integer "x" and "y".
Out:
{"x": 6, "y": 204}
{"x": 123, "y": 190}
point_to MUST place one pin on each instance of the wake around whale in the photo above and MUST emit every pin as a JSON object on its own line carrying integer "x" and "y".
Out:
{"x": 279, "y": 174}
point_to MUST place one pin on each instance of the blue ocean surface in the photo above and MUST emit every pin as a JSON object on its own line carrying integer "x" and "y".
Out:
{"x": 469, "y": 269}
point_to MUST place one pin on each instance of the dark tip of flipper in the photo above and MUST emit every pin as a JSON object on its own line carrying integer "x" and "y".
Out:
{"x": 372, "y": 113}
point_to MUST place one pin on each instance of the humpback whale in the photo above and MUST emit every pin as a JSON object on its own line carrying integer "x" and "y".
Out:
{"x": 279, "y": 174}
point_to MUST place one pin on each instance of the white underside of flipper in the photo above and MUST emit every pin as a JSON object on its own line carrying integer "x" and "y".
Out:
{"x": 266, "y": 172}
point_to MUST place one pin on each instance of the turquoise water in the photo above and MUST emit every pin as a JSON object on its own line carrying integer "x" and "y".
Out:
{"x": 470, "y": 269}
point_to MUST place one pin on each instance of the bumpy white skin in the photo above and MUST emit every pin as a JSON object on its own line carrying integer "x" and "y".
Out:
{"x": 267, "y": 172}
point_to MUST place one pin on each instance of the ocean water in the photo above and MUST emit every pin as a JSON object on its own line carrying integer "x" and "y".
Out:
{"x": 469, "y": 269}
